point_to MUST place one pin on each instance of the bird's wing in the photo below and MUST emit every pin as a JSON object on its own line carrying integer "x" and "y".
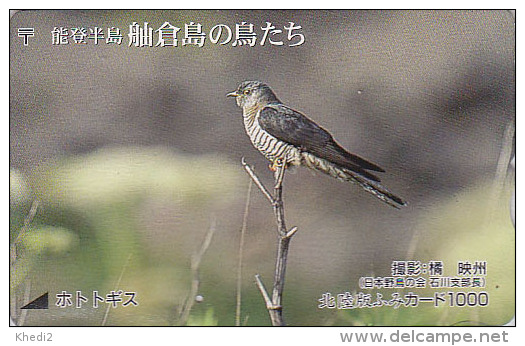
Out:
{"x": 295, "y": 128}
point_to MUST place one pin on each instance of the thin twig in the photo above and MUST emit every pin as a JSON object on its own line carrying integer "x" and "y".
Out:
{"x": 106, "y": 314}
{"x": 257, "y": 181}
{"x": 291, "y": 232}
{"x": 25, "y": 227}
{"x": 13, "y": 254}
{"x": 241, "y": 250}
{"x": 245, "y": 322}
{"x": 264, "y": 292}
{"x": 502, "y": 166}
{"x": 195, "y": 282}
{"x": 22, "y": 319}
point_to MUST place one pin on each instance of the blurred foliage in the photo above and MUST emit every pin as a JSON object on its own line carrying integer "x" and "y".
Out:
{"x": 87, "y": 223}
{"x": 40, "y": 241}
{"x": 54, "y": 240}
{"x": 123, "y": 175}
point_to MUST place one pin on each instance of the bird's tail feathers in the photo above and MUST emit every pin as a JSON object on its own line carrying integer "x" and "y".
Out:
{"x": 377, "y": 190}
{"x": 369, "y": 185}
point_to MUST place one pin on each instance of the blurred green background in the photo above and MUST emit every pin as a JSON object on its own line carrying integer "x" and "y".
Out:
{"x": 131, "y": 154}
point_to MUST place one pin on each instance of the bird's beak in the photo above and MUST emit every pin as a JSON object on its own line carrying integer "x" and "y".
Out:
{"x": 232, "y": 94}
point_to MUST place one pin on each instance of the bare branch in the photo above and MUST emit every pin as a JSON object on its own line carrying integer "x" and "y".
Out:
{"x": 274, "y": 304}
{"x": 279, "y": 176}
{"x": 291, "y": 232}
{"x": 257, "y": 181}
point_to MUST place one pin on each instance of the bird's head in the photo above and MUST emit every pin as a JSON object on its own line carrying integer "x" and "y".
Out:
{"x": 251, "y": 94}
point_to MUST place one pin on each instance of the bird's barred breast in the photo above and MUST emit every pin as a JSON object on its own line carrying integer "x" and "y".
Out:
{"x": 271, "y": 147}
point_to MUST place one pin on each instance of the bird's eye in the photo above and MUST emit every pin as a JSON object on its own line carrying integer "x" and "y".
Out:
{"x": 247, "y": 92}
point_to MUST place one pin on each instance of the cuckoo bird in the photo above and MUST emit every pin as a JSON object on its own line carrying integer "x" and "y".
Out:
{"x": 286, "y": 137}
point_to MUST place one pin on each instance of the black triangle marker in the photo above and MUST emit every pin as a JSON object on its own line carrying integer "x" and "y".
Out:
{"x": 41, "y": 302}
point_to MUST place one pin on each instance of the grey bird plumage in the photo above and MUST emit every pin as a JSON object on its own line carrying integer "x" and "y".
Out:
{"x": 283, "y": 134}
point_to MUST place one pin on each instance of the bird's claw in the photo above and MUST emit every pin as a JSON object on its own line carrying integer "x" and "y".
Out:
{"x": 275, "y": 164}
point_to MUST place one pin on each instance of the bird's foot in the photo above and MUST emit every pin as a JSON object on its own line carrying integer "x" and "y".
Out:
{"x": 276, "y": 164}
